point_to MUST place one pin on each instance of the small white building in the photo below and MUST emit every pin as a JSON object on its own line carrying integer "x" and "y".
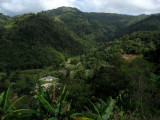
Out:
{"x": 48, "y": 78}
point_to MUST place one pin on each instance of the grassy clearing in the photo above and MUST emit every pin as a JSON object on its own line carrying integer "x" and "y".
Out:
{"x": 8, "y": 26}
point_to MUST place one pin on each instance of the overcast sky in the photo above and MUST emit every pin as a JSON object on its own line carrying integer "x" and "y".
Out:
{"x": 132, "y": 7}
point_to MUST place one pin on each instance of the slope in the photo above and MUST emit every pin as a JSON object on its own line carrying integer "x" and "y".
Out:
{"x": 137, "y": 43}
{"x": 35, "y": 41}
{"x": 97, "y": 28}
{"x": 3, "y": 19}
{"x": 151, "y": 23}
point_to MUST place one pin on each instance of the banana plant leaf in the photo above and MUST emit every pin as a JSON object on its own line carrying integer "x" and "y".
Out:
{"x": 1, "y": 98}
{"x": 6, "y": 101}
{"x": 19, "y": 112}
{"x": 45, "y": 103}
{"x": 95, "y": 108}
{"x": 16, "y": 102}
{"x": 109, "y": 109}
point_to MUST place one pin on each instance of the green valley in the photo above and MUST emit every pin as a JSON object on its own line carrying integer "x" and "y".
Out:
{"x": 65, "y": 64}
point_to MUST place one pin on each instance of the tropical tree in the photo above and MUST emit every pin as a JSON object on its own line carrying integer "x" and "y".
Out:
{"x": 53, "y": 108}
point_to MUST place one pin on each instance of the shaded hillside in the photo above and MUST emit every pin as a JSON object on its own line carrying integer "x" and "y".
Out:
{"x": 34, "y": 41}
{"x": 118, "y": 20}
{"x": 151, "y": 23}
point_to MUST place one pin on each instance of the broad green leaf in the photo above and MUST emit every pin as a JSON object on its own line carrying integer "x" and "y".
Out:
{"x": 6, "y": 102}
{"x": 95, "y": 108}
{"x": 103, "y": 105}
{"x": 155, "y": 78}
{"x": 45, "y": 103}
{"x": 16, "y": 102}
{"x": 53, "y": 118}
{"x": 109, "y": 109}
{"x": 20, "y": 111}
{"x": 1, "y": 98}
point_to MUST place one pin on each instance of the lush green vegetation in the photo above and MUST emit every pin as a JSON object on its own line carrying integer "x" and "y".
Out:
{"x": 36, "y": 41}
{"x": 53, "y": 66}
{"x": 151, "y": 23}
{"x": 97, "y": 28}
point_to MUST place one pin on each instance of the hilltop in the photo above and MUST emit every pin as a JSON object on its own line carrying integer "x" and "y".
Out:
{"x": 98, "y": 28}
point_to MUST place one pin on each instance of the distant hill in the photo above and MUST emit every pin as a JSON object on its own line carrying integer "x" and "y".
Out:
{"x": 98, "y": 28}
{"x": 3, "y": 19}
{"x": 151, "y": 23}
{"x": 60, "y": 11}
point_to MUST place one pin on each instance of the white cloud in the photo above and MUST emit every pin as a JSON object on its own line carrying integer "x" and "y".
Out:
{"x": 13, "y": 7}
{"x": 121, "y": 6}
{"x": 50, "y": 4}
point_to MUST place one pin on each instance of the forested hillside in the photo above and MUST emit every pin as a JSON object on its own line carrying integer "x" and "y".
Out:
{"x": 64, "y": 64}
{"x": 152, "y": 23}
{"x": 34, "y": 41}
{"x": 137, "y": 43}
{"x": 3, "y": 19}
{"x": 98, "y": 28}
